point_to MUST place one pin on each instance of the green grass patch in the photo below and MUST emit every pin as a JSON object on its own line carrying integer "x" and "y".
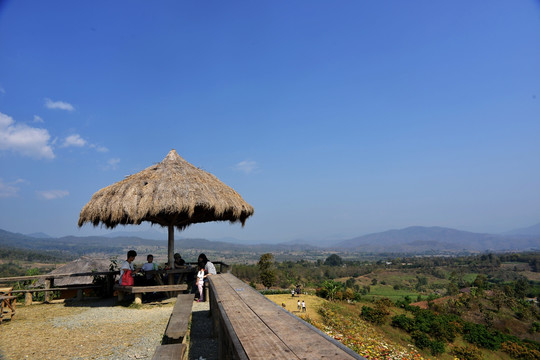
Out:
{"x": 389, "y": 292}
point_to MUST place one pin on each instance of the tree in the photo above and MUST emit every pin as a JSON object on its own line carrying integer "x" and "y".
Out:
{"x": 333, "y": 260}
{"x": 267, "y": 271}
{"x": 521, "y": 287}
{"x": 331, "y": 287}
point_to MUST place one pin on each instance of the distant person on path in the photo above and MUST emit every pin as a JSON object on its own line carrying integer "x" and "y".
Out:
{"x": 299, "y": 306}
{"x": 150, "y": 265}
{"x": 292, "y": 292}
{"x": 128, "y": 269}
{"x": 200, "y": 281}
{"x": 303, "y": 306}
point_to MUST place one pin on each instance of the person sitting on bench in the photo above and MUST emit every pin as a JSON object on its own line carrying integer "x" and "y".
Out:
{"x": 127, "y": 270}
{"x": 149, "y": 266}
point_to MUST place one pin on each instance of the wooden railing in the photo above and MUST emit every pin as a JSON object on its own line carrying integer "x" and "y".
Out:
{"x": 48, "y": 286}
{"x": 250, "y": 326}
{"x": 221, "y": 267}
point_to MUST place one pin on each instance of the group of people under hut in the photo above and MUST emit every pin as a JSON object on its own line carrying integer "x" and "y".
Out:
{"x": 128, "y": 272}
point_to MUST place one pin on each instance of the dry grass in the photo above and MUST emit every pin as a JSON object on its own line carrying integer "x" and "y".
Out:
{"x": 313, "y": 304}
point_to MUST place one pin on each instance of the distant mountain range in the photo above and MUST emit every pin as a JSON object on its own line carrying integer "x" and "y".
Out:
{"x": 531, "y": 231}
{"x": 411, "y": 240}
{"x": 420, "y": 239}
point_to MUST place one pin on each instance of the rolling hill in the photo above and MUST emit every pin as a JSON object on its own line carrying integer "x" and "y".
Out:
{"x": 420, "y": 239}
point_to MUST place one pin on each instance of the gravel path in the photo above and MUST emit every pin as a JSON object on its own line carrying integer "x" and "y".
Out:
{"x": 100, "y": 330}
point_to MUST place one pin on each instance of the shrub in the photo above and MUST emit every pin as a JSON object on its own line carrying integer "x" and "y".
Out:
{"x": 374, "y": 315}
{"x": 518, "y": 351}
{"x": 468, "y": 352}
{"x": 420, "y": 339}
{"x": 437, "y": 347}
{"x": 403, "y": 322}
{"x": 479, "y": 335}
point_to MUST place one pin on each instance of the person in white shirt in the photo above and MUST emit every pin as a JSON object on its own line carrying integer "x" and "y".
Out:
{"x": 129, "y": 268}
{"x": 200, "y": 281}
{"x": 209, "y": 268}
{"x": 150, "y": 265}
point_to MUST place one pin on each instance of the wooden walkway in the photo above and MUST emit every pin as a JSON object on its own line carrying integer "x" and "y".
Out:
{"x": 249, "y": 326}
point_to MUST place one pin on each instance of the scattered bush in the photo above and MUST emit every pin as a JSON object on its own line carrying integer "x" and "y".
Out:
{"x": 420, "y": 339}
{"x": 479, "y": 335}
{"x": 468, "y": 352}
{"x": 403, "y": 322}
{"x": 437, "y": 347}
{"x": 518, "y": 351}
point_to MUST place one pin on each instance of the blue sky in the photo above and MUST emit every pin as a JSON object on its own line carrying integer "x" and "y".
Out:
{"x": 333, "y": 119}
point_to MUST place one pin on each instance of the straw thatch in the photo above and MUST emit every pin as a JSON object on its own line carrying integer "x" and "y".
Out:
{"x": 84, "y": 264}
{"x": 172, "y": 192}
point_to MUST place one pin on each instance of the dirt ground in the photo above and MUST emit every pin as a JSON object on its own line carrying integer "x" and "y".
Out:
{"x": 83, "y": 330}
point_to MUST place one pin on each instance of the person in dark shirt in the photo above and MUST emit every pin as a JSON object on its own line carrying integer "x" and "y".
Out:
{"x": 178, "y": 261}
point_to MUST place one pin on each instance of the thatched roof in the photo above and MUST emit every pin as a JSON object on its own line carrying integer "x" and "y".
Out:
{"x": 172, "y": 192}
{"x": 82, "y": 265}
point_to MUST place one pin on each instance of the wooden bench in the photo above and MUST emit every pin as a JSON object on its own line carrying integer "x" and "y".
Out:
{"x": 7, "y": 303}
{"x": 249, "y": 326}
{"x": 139, "y": 290}
{"x": 169, "y": 352}
{"x": 177, "y": 327}
{"x": 174, "y": 339}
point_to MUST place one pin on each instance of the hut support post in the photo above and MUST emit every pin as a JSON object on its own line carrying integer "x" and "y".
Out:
{"x": 171, "y": 252}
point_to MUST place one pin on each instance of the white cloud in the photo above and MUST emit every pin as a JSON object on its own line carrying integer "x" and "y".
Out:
{"x": 62, "y": 105}
{"x": 112, "y": 164}
{"x": 7, "y": 189}
{"x": 52, "y": 194}
{"x": 246, "y": 166}
{"x": 98, "y": 148}
{"x": 38, "y": 119}
{"x": 23, "y": 139}
{"x": 74, "y": 140}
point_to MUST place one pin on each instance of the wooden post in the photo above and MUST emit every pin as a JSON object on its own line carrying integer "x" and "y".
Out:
{"x": 27, "y": 299}
{"x": 79, "y": 294}
{"x": 109, "y": 282}
{"x": 47, "y": 286}
{"x": 170, "y": 249}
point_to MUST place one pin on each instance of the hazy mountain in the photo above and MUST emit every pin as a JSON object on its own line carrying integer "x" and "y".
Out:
{"x": 143, "y": 234}
{"x": 531, "y": 231}
{"x": 419, "y": 239}
{"x": 413, "y": 240}
{"x": 39, "y": 235}
{"x": 78, "y": 246}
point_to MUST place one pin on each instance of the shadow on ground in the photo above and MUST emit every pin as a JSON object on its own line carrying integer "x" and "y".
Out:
{"x": 201, "y": 342}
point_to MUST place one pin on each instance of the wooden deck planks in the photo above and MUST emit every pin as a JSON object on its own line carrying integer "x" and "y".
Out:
{"x": 299, "y": 338}
{"x": 258, "y": 341}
